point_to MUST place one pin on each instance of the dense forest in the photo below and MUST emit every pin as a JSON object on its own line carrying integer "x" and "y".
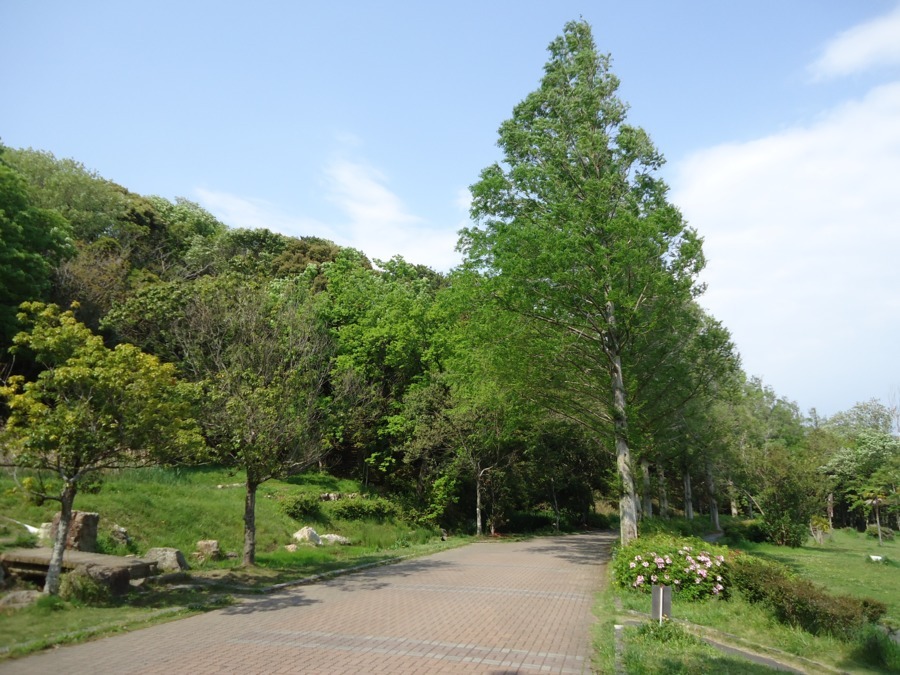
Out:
{"x": 567, "y": 362}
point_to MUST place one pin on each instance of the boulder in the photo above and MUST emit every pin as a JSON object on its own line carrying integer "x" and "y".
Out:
{"x": 19, "y": 599}
{"x": 307, "y": 535}
{"x": 116, "y": 579}
{"x": 167, "y": 559}
{"x": 45, "y": 534}
{"x": 208, "y": 549}
{"x": 291, "y": 548}
{"x": 82, "y": 531}
{"x": 120, "y": 535}
{"x": 334, "y": 539}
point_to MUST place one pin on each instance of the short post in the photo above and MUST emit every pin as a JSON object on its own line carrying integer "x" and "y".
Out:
{"x": 662, "y": 602}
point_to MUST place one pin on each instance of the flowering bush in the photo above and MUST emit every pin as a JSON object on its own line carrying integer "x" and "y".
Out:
{"x": 693, "y": 568}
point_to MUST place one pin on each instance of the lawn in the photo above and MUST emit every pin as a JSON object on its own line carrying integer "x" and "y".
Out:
{"x": 841, "y": 564}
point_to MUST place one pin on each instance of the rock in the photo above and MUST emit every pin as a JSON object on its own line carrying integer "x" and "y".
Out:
{"x": 208, "y": 549}
{"x": 330, "y": 496}
{"x": 232, "y": 555}
{"x": 876, "y": 558}
{"x": 116, "y": 579}
{"x": 82, "y": 531}
{"x": 291, "y": 548}
{"x": 334, "y": 539}
{"x": 45, "y": 534}
{"x": 307, "y": 535}
{"x": 19, "y": 599}
{"x": 120, "y": 535}
{"x": 167, "y": 559}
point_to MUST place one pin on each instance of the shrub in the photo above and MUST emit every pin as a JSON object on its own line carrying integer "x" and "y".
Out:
{"x": 799, "y": 602}
{"x": 300, "y": 506}
{"x": 886, "y": 533}
{"x": 693, "y": 571}
{"x": 364, "y": 509}
{"x": 78, "y": 586}
{"x": 683, "y": 527}
{"x": 744, "y": 530}
{"x": 784, "y": 529}
{"x": 877, "y": 649}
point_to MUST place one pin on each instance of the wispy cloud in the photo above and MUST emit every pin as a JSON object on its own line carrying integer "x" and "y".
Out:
{"x": 869, "y": 45}
{"x": 802, "y": 237}
{"x": 247, "y": 212}
{"x": 369, "y": 216}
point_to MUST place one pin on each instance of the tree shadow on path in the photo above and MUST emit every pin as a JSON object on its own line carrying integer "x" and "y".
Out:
{"x": 589, "y": 549}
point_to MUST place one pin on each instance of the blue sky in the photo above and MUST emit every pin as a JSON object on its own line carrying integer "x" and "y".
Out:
{"x": 365, "y": 122}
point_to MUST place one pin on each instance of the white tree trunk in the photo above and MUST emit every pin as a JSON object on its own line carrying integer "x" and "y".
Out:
{"x": 663, "y": 491}
{"x": 688, "y": 496}
{"x": 648, "y": 497}
{"x": 628, "y": 504}
{"x": 54, "y": 569}
{"x": 711, "y": 494}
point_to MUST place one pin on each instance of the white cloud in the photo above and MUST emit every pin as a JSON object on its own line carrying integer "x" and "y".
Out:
{"x": 379, "y": 223}
{"x": 868, "y": 45}
{"x": 251, "y": 213}
{"x": 370, "y": 217}
{"x": 803, "y": 239}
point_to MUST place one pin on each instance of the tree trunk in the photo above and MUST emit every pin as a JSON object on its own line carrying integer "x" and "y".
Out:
{"x": 648, "y": 498}
{"x": 478, "y": 529}
{"x": 830, "y": 508}
{"x": 732, "y": 498}
{"x": 54, "y": 570}
{"x": 711, "y": 494}
{"x": 688, "y": 497}
{"x": 628, "y": 506}
{"x": 555, "y": 504}
{"x": 250, "y": 524}
{"x": 663, "y": 491}
{"x": 878, "y": 523}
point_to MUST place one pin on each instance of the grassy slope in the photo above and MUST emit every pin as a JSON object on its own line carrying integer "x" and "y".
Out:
{"x": 178, "y": 508}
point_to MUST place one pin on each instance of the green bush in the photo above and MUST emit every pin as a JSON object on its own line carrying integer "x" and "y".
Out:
{"x": 364, "y": 509}
{"x": 744, "y": 530}
{"x": 877, "y": 649}
{"x": 886, "y": 533}
{"x": 800, "y": 602}
{"x": 683, "y": 527}
{"x": 693, "y": 568}
{"x": 300, "y": 506}
{"x": 81, "y": 588}
{"x": 784, "y": 529}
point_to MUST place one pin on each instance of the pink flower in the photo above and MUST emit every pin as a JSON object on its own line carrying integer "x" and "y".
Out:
{"x": 632, "y": 565}
{"x": 645, "y": 564}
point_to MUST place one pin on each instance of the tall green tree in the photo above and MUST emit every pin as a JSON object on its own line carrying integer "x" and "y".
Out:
{"x": 32, "y": 241}
{"x": 576, "y": 235}
{"x": 90, "y": 409}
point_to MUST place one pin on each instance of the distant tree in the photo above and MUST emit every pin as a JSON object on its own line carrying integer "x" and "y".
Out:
{"x": 90, "y": 409}
{"x": 577, "y": 237}
{"x": 32, "y": 241}
{"x": 262, "y": 356}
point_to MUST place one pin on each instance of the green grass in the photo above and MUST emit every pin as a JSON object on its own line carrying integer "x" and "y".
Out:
{"x": 841, "y": 564}
{"x": 177, "y": 508}
{"x": 651, "y": 649}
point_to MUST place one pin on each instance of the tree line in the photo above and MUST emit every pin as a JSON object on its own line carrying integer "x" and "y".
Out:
{"x": 566, "y": 360}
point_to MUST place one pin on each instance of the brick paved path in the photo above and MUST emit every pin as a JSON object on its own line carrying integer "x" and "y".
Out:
{"x": 519, "y": 607}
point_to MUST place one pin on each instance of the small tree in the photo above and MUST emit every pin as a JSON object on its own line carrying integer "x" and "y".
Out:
{"x": 90, "y": 409}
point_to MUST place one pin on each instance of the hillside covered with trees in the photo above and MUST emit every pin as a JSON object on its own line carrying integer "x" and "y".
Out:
{"x": 567, "y": 362}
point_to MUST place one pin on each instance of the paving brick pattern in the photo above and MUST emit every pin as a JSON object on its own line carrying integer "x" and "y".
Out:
{"x": 494, "y": 607}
